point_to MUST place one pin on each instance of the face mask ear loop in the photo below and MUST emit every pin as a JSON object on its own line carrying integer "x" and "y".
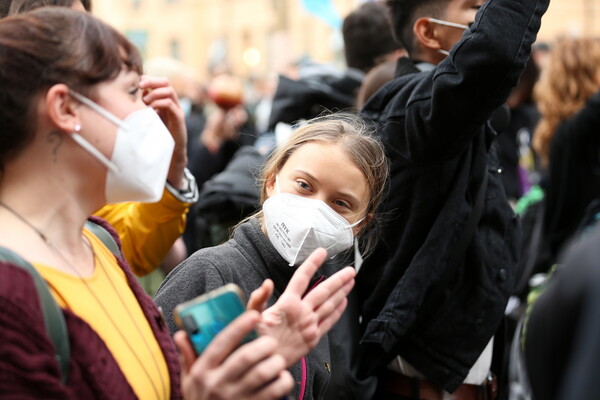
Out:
{"x": 356, "y": 223}
{"x": 350, "y": 226}
{"x": 95, "y": 152}
{"x": 446, "y": 23}
{"x": 97, "y": 108}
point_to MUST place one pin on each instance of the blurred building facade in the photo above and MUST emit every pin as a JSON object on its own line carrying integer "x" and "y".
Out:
{"x": 247, "y": 36}
{"x": 253, "y": 37}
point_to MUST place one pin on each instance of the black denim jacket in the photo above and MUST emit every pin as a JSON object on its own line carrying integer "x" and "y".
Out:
{"x": 436, "y": 130}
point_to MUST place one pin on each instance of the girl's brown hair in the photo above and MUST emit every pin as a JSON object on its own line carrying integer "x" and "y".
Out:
{"x": 356, "y": 140}
{"x": 47, "y": 46}
{"x": 570, "y": 77}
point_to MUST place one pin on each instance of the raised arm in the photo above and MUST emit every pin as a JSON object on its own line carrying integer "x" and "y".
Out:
{"x": 147, "y": 231}
{"x": 441, "y": 113}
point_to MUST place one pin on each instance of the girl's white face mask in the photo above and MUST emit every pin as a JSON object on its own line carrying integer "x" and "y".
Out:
{"x": 298, "y": 225}
{"x": 138, "y": 168}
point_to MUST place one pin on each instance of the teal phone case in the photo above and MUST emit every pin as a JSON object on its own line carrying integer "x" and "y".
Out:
{"x": 205, "y": 316}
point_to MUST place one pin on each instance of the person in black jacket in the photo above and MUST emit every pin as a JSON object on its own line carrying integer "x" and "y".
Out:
{"x": 436, "y": 122}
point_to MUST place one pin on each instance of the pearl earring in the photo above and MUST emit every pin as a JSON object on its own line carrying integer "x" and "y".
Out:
{"x": 77, "y": 128}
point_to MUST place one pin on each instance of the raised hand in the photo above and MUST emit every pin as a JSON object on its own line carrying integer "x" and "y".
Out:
{"x": 221, "y": 126}
{"x": 298, "y": 323}
{"x": 160, "y": 95}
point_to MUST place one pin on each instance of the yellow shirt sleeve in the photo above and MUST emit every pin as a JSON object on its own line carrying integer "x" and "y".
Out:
{"x": 147, "y": 230}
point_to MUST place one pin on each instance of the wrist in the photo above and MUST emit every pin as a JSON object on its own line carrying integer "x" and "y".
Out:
{"x": 176, "y": 176}
{"x": 187, "y": 192}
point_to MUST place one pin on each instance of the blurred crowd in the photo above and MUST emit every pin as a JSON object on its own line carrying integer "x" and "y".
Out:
{"x": 421, "y": 224}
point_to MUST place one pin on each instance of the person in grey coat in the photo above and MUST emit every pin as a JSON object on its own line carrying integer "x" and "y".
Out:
{"x": 320, "y": 189}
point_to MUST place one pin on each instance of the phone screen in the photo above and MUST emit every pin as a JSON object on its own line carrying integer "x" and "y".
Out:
{"x": 205, "y": 316}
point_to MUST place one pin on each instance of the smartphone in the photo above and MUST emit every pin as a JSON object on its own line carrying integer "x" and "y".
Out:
{"x": 206, "y": 315}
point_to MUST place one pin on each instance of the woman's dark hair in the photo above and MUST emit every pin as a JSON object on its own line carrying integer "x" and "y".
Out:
{"x": 44, "y": 47}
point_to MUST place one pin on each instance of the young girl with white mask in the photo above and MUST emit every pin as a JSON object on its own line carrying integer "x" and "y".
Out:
{"x": 70, "y": 105}
{"x": 320, "y": 189}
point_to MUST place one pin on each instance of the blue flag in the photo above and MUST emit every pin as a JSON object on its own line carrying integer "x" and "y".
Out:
{"x": 324, "y": 10}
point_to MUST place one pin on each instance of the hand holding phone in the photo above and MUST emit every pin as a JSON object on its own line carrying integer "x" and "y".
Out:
{"x": 207, "y": 315}
{"x": 228, "y": 371}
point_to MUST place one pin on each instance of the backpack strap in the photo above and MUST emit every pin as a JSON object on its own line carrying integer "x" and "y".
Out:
{"x": 105, "y": 237}
{"x": 54, "y": 319}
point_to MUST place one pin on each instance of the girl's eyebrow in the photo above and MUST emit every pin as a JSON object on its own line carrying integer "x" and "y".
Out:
{"x": 311, "y": 176}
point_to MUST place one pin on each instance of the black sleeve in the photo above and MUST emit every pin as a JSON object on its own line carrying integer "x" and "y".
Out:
{"x": 447, "y": 108}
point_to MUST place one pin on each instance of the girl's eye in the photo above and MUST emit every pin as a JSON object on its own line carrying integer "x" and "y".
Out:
{"x": 342, "y": 203}
{"x": 303, "y": 185}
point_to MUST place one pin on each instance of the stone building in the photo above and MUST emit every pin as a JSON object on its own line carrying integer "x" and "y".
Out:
{"x": 253, "y": 37}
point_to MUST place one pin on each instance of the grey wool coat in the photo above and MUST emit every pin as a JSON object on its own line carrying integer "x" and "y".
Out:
{"x": 247, "y": 259}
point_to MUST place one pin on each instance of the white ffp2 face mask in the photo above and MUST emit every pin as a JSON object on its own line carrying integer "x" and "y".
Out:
{"x": 298, "y": 225}
{"x": 138, "y": 167}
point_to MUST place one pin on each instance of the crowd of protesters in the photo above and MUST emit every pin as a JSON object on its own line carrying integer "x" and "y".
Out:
{"x": 436, "y": 240}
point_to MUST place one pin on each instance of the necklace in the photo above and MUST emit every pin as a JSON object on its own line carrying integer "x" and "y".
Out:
{"x": 97, "y": 299}
{"x": 29, "y": 224}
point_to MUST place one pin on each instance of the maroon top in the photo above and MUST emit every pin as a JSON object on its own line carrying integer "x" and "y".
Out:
{"x": 28, "y": 367}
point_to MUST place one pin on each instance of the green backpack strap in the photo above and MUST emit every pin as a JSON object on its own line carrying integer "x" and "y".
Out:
{"x": 104, "y": 236}
{"x": 54, "y": 319}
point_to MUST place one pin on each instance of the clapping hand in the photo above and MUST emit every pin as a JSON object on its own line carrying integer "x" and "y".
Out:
{"x": 298, "y": 323}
